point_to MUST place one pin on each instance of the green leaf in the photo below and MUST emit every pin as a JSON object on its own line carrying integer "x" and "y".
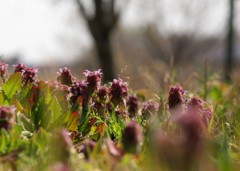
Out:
{"x": 215, "y": 93}
{"x": 1, "y": 98}
{"x": 3, "y": 140}
{"x": 73, "y": 121}
{"x": 24, "y": 93}
{"x": 12, "y": 85}
{"x": 25, "y": 122}
{"x": 18, "y": 106}
{"x": 53, "y": 117}
{"x": 41, "y": 139}
{"x": 15, "y": 138}
{"x": 55, "y": 109}
{"x": 45, "y": 92}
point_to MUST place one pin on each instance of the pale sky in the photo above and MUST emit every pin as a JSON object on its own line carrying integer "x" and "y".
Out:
{"x": 44, "y": 32}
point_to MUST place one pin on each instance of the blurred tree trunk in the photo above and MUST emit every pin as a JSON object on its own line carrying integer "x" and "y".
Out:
{"x": 230, "y": 42}
{"x": 101, "y": 25}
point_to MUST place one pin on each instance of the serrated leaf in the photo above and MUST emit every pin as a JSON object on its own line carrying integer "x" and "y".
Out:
{"x": 12, "y": 85}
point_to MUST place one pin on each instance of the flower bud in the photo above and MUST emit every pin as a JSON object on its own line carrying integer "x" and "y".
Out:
{"x": 195, "y": 104}
{"x": 191, "y": 125}
{"x": 132, "y": 104}
{"x": 93, "y": 80}
{"x": 19, "y": 67}
{"x": 149, "y": 108}
{"x": 79, "y": 88}
{"x": 64, "y": 76}
{"x": 118, "y": 91}
{"x": 176, "y": 98}
{"x": 28, "y": 74}
{"x": 102, "y": 93}
{"x": 131, "y": 137}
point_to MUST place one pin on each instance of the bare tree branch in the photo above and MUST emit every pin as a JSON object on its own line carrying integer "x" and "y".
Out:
{"x": 101, "y": 25}
{"x": 112, "y": 7}
{"x": 98, "y": 10}
{"x": 82, "y": 9}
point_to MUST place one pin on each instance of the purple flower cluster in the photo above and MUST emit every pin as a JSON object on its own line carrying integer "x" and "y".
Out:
{"x": 176, "y": 97}
{"x": 101, "y": 99}
{"x": 93, "y": 79}
{"x": 28, "y": 73}
{"x": 196, "y": 105}
{"x": 149, "y": 108}
{"x": 65, "y": 77}
{"x": 131, "y": 137}
{"x": 79, "y": 91}
{"x": 118, "y": 91}
{"x": 102, "y": 93}
{"x": 19, "y": 67}
{"x": 191, "y": 118}
{"x": 132, "y": 104}
{"x": 193, "y": 106}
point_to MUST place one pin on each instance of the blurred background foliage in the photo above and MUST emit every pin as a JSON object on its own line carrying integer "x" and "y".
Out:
{"x": 148, "y": 43}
